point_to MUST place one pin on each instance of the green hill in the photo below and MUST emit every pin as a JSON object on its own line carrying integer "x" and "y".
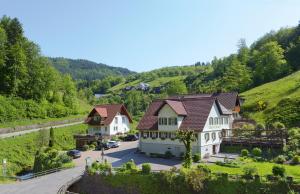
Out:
{"x": 159, "y": 77}
{"x": 275, "y": 101}
{"x": 81, "y": 69}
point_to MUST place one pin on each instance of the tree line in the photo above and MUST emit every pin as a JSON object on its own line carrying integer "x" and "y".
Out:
{"x": 28, "y": 80}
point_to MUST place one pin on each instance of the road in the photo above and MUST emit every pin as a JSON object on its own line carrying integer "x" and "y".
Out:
{"x": 51, "y": 183}
{"x": 18, "y": 133}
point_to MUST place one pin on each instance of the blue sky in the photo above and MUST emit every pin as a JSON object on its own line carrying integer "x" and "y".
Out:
{"x": 143, "y": 35}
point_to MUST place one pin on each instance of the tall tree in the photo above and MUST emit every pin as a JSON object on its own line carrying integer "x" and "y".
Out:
{"x": 237, "y": 77}
{"x": 269, "y": 62}
{"x": 176, "y": 87}
{"x": 187, "y": 137}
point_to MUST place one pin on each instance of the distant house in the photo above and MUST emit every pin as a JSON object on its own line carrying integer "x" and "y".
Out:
{"x": 128, "y": 88}
{"x": 99, "y": 95}
{"x": 143, "y": 86}
{"x": 210, "y": 116}
{"x": 108, "y": 120}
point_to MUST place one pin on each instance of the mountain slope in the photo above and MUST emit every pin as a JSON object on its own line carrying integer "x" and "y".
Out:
{"x": 275, "y": 101}
{"x": 87, "y": 70}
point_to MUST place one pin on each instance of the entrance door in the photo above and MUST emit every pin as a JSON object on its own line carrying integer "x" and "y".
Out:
{"x": 214, "y": 149}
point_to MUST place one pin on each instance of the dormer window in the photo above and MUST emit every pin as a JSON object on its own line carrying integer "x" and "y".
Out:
{"x": 96, "y": 118}
{"x": 211, "y": 121}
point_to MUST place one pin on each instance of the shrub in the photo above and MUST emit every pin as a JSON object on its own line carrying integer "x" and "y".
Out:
{"x": 256, "y": 152}
{"x": 92, "y": 147}
{"x": 248, "y": 172}
{"x": 244, "y": 152}
{"x": 168, "y": 154}
{"x": 280, "y": 159}
{"x": 85, "y": 147}
{"x": 196, "y": 158}
{"x": 146, "y": 168}
{"x": 278, "y": 171}
{"x": 204, "y": 168}
{"x": 296, "y": 159}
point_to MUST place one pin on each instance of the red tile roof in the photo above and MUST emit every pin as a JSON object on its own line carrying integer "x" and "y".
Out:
{"x": 197, "y": 110}
{"x": 108, "y": 113}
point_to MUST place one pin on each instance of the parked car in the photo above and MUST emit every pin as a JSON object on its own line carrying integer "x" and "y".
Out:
{"x": 131, "y": 138}
{"x": 114, "y": 144}
{"x": 105, "y": 145}
{"x": 74, "y": 153}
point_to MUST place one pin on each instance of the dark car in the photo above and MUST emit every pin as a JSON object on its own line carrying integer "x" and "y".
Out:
{"x": 74, "y": 153}
{"x": 131, "y": 138}
{"x": 105, "y": 145}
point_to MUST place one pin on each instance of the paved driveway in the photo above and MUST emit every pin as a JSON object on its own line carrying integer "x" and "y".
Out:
{"x": 126, "y": 152}
{"x": 50, "y": 184}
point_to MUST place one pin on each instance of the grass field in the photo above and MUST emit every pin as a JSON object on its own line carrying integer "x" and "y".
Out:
{"x": 272, "y": 93}
{"x": 263, "y": 168}
{"x": 19, "y": 151}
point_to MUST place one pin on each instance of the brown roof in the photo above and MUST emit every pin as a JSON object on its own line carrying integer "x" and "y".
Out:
{"x": 228, "y": 100}
{"x": 197, "y": 111}
{"x": 177, "y": 107}
{"x": 108, "y": 112}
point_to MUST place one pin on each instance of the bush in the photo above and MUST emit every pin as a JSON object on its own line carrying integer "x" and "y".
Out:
{"x": 196, "y": 158}
{"x": 146, "y": 168}
{"x": 244, "y": 152}
{"x": 278, "y": 171}
{"x": 85, "y": 147}
{"x": 168, "y": 154}
{"x": 256, "y": 152}
{"x": 249, "y": 172}
{"x": 296, "y": 159}
{"x": 92, "y": 147}
{"x": 280, "y": 159}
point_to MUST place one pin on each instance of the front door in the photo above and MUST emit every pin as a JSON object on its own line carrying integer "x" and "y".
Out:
{"x": 214, "y": 149}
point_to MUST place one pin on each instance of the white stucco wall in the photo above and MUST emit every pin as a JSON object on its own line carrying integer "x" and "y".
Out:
{"x": 168, "y": 112}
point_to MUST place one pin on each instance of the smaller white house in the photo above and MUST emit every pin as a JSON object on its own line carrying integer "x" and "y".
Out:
{"x": 204, "y": 114}
{"x": 108, "y": 120}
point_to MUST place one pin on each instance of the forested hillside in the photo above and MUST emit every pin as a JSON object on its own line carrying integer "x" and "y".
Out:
{"x": 81, "y": 69}
{"x": 30, "y": 87}
{"x": 275, "y": 101}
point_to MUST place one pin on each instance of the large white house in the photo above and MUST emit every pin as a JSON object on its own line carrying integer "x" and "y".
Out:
{"x": 210, "y": 116}
{"x": 108, "y": 120}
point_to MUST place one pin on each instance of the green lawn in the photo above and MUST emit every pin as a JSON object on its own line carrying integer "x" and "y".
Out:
{"x": 263, "y": 168}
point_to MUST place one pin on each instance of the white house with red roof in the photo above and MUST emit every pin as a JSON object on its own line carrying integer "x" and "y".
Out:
{"x": 205, "y": 114}
{"x": 108, "y": 120}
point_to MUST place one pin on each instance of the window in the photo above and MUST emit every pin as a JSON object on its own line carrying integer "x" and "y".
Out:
{"x": 216, "y": 121}
{"x": 163, "y": 135}
{"x": 206, "y": 136}
{"x": 165, "y": 121}
{"x": 173, "y": 135}
{"x": 123, "y": 120}
{"x": 116, "y": 120}
{"x": 170, "y": 122}
{"x": 145, "y": 134}
{"x": 153, "y": 135}
{"x": 220, "y": 134}
{"x": 213, "y": 136}
{"x": 221, "y": 120}
{"x": 105, "y": 129}
{"x": 96, "y": 118}
{"x": 160, "y": 121}
{"x": 226, "y": 120}
{"x": 211, "y": 121}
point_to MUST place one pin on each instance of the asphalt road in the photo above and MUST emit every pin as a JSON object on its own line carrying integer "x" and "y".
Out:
{"x": 18, "y": 133}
